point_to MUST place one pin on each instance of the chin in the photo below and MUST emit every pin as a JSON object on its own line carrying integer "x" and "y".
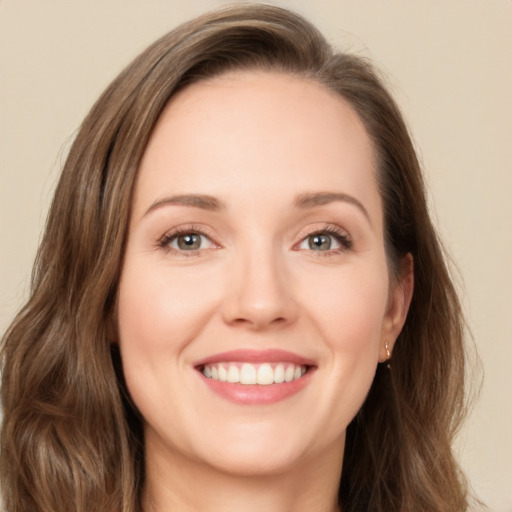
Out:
{"x": 264, "y": 451}
{"x": 248, "y": 461}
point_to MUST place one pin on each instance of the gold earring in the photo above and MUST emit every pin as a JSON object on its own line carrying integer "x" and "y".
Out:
{"x": 388, "y": 353}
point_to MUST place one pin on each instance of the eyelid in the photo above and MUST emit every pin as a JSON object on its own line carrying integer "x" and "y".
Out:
{"x": 164, "y": 241}
{"x": 342, "y": 235}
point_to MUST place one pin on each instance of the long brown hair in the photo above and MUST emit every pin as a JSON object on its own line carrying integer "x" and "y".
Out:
{"x": 71, "y": 439}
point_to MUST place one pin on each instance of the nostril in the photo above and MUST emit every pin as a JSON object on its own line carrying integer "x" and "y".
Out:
{"x": 259, "y": 322}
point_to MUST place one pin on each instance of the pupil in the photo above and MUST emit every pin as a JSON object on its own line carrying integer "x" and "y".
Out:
{"x": 322, "y": 242}
{"x": 188, "y": 242}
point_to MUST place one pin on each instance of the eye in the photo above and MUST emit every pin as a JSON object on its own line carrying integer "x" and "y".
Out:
{"x": 326, "y": 240}
{"x": 186, "y": 241}
{"x": 320, "y": 242}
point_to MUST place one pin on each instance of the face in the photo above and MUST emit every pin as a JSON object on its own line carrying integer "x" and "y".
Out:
{"x": 255, "y": 300}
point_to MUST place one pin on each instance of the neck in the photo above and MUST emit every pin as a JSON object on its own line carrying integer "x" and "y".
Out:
{"x": 179, "y": 483}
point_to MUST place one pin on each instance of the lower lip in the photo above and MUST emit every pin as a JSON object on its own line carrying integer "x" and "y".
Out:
{"x": 256, "y": 394}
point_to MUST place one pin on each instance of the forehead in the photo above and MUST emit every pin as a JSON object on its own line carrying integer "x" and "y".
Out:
{"x": 256, "y": 132}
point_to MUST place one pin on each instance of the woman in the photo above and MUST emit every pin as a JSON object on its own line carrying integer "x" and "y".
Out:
{"x": 227, "y": 270}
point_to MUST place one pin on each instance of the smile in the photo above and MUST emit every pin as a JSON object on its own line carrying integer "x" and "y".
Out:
{"x": 253, "y": 377}
{"x": 250, "y": 374}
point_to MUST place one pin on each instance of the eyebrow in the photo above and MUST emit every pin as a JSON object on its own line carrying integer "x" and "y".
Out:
{"x": 310, "y": 200}
{"x": 303, "y": 201}
{"x": 195, "y": 200}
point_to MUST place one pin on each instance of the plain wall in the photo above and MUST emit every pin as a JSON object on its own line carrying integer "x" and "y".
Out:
{"x": 449, "y": 64}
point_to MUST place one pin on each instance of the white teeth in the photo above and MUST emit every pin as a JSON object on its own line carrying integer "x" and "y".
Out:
{"x": 247, "y": 374}
{"x": 262, "y": 374}
{"x": 288, "y": 374}
{"x": 279, "y": 374}
{"x": 223, "y": 374}
{"x": 233, "y": 373}
{"x": 265, "y": 375}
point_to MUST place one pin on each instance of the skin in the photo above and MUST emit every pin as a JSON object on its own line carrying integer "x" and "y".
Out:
{"x": 255, "y": 141}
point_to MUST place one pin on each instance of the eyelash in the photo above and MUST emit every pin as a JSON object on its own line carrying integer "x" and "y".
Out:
{"x": 341, "y": 236}
{"x": 170, "y": 236}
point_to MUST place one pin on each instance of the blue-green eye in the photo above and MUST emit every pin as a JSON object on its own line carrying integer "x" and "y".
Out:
{"x": 187, "y": 242}
{"x": 325, "y": 241}
{"x": 320, "y": 242}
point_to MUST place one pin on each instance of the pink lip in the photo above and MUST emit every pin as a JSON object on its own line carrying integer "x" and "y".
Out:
{"x": 254, "y": 394}
{"x": 255, "y": 356}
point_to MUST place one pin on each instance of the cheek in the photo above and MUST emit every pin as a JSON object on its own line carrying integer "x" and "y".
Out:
{"x": 349, "y": 307}
{"x": 159, "y": 313}
{"x": 347, "y": 310}
{"x": 159, "y": 310}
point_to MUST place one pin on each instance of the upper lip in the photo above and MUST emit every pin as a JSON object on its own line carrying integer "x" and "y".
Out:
{"x": 256, "y": 356}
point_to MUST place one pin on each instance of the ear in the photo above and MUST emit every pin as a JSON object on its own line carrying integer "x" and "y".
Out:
{"x": 400, "y": 295}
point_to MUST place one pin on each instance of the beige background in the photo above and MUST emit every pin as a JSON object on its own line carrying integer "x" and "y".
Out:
{"x": 450, "y": 66}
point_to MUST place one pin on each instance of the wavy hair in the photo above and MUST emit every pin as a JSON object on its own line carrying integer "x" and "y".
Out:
{"x": 71, "y": 438}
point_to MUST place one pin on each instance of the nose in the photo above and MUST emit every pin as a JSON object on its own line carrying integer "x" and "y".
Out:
{"x": 260, "y": 294}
